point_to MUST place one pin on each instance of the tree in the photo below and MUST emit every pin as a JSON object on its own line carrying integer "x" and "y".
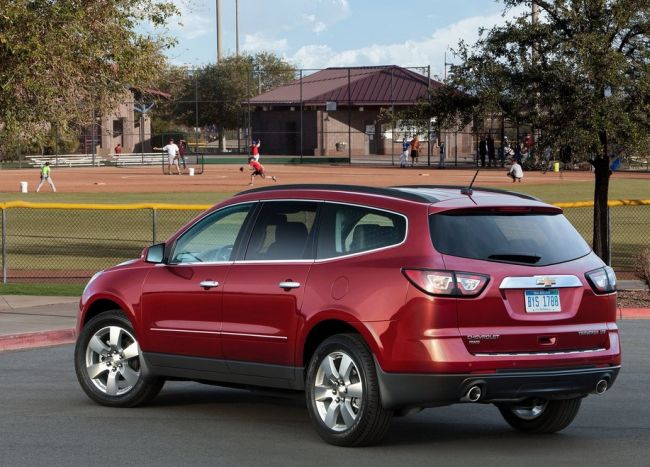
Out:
{"x": 221, "y": 89}
{"x": 580, "y": 75}
{"x": 62, "y": 60}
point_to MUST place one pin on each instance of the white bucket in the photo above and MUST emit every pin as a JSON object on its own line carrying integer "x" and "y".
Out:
{"x": 23, "y": 187}
{"x": 191, "y": 171}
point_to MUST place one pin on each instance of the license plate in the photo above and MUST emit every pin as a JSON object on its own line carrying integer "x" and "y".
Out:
{"x": 542, "y": 301}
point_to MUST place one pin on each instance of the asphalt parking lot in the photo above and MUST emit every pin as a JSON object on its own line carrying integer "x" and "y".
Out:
{"x": 47, "y": 420}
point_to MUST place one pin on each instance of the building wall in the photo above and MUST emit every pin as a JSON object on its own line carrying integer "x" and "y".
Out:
{"x": 343, "y": 133}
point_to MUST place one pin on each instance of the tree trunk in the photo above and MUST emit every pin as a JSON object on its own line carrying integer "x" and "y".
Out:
{"x": 601, "y": 244}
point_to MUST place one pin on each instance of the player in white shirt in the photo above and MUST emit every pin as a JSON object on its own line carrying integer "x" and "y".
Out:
{"x": 172, "y": 154}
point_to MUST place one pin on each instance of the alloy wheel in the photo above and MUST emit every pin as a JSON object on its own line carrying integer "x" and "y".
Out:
{"x": 112, "y": 360}
{"x": 338, "y": 391}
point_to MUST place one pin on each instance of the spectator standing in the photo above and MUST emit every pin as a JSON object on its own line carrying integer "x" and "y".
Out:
{"x": 443, "y": 155}
{"x": 492, "y": 160}
{"x": 515, "y": 172}
{"x": 404, "y": 155}
{"x": 548, "y": 152}
{"x": 182, "y": 148}
{"x": 46, "y": 177}
{"x": 482, "y": 150}
{"x": 518, "y": 155}
{"x": 118, "y": 150}
{"x": 172, "y": 155}
{"x": 255, "y": 149}
{"x": 415, "y": 150}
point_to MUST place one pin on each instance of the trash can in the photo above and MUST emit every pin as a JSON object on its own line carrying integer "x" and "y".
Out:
{"x": 191, "y": 171}
{"x": 23, "y": 187}
{"x": 556, "y": 166}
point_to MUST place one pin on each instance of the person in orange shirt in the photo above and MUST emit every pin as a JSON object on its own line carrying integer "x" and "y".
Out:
{"x": 415, "y": 149}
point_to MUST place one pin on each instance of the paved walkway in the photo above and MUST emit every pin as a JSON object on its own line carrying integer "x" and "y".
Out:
{"x": 29, "y": 321}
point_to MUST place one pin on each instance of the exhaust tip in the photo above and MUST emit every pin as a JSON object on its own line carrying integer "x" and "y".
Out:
{"x": 473, "y": 394}
{"x": 602, "y": 386}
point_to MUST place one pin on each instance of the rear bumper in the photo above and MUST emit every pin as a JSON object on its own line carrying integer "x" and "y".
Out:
{"x": 410, "y": 390}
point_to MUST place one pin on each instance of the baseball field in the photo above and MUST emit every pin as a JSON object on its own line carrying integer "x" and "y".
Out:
{"x": 72, "y": 243}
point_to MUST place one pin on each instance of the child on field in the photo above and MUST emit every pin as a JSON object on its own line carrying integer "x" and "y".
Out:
{"x": 45, "y": 177}
{"x": 515, "y": 172}
{"x": 258, "y": 170}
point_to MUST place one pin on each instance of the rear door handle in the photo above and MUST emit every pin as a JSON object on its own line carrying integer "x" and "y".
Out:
{"x": 208, "y": 284}
{"x": 289, "y": 285}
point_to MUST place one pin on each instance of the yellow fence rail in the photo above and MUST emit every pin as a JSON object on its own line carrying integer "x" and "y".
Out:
{"x": 68, "y": 242}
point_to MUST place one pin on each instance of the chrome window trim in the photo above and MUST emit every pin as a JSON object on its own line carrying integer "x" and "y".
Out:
{"x": 202, "y": 217}
{"x": 365, "y": 252}
{"x": 531, "y": 282}
{"x": 330, "y": 258}
{"x": 266, "y": 261}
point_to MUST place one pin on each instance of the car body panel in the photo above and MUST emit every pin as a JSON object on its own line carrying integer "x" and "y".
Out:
{"x": 249, "y": 330}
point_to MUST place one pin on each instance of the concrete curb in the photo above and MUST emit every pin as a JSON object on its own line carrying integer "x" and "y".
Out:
{"x": 31, "y": 340}
{"x": 634, "y": 313}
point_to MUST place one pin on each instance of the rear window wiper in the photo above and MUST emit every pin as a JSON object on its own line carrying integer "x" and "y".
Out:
{"x": 528, "y": 259}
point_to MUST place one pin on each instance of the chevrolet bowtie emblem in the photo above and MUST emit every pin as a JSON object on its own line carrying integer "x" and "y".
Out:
{"x": 546, "y": 281}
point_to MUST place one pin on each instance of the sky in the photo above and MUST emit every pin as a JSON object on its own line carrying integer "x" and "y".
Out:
{"x": 322, "y": 33}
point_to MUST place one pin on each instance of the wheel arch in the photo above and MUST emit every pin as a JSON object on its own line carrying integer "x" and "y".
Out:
{"x": 103, "y": 304}
{"x": 329, "y": 327}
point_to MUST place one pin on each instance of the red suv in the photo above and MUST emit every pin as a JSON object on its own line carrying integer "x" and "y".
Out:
{"x": 373, "y": 301}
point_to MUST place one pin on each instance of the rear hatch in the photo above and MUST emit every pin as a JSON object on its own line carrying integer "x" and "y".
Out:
{"x": 538, "y": 298}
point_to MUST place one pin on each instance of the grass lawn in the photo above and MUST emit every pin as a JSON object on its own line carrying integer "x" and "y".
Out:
{"x": 76, "y": 243}
{"x": 60, "y": 290}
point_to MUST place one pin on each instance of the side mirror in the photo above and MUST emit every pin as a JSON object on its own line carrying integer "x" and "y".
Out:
{"x": 156, "y": 253}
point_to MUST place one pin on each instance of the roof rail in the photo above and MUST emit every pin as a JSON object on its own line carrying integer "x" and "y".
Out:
{"x": 477, "y": 188}
{"x": 391, "y": 192}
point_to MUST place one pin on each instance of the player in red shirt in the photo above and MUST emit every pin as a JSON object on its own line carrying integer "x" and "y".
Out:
{"x": 255, "y": 149}
{"x": 258, "y": 169}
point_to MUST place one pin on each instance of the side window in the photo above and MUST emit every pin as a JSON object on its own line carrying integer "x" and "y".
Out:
{"x": 283, "y": 231}
{"x": 211, "y": 239}
{"x": 352, "y": 229}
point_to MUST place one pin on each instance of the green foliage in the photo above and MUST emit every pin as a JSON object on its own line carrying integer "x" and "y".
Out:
{"x": 63, "y": 59}
{"x": 220, "y": 89}
{"x": 580, "y": 75}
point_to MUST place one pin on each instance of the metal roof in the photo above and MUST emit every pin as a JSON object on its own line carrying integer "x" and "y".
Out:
{"x": 378, "y": 85}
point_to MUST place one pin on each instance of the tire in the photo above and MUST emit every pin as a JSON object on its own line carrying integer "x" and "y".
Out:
{"x": 109, "y": 364}
{"x": 342, "y": 393}
{"x": 542, "y": 416}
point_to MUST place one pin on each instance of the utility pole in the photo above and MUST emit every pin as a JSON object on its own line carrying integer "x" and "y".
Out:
{"x": 237, "y": 28}
{"x": 535, "y": 13}
{"x": 219, "y": 42}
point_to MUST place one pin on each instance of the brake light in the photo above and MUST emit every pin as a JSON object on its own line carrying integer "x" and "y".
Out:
{"x": 602, "y": 280}
{"x": 447, "y": 283}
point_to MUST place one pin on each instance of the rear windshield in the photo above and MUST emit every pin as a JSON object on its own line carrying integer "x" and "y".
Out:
{"x": 537, "y": 239}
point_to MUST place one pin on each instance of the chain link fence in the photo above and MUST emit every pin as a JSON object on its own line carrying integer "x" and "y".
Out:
{"x": 68, "y": 243}
{"x": 334, "y": 115}
{"x": 61, "y": 243}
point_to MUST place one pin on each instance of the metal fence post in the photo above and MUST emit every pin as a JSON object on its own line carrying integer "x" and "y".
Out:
{"x": 153, "y": 226}
{"x": 4, "y": 246}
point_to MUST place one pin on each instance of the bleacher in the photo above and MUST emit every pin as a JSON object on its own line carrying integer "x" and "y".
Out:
{"x": 131, "y": 159}
{"x": 67, "y": 160}
{"x": 86, "y": 160}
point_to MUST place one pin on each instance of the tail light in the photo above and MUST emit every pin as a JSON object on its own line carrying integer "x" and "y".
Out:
{"x": 602, "y": 280}
{"x": 447, "y": 283}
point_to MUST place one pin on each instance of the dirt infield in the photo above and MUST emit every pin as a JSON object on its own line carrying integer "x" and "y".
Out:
{"x": 228, "y": 178}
